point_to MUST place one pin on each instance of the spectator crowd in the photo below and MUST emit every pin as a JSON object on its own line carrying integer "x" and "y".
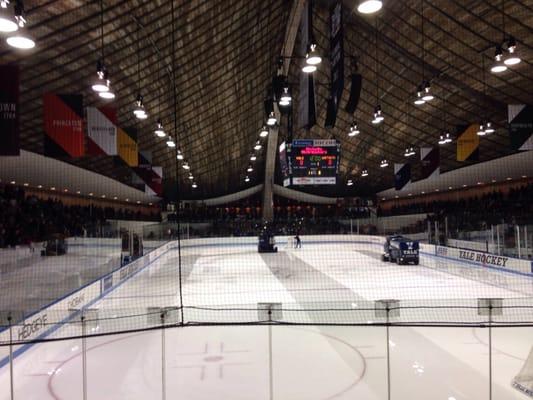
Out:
{"x": 27, "y": 218}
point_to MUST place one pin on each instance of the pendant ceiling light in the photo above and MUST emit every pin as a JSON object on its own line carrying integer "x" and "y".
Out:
{"x": 485, "y": 128}
{"x": 253, "y": 157}
{"x": 102, "y": 85}
{"x": 364, "y": 172}
{"x": 285, "y": 98}
{"x": 445, "y": 138}
{"x": 257, "y": 145}
{"x": 264, "y": 132}
{"x": 354, "y": 130}
{"x": 369, "y": 6}
{"x": 250, "y": 168}
{"x": 271, "y": 120}
{"x": 20, "y": 39}
{"x": 139, "y": 110}
{"x": 378, "y": 114}
{"x": 170, "y": 143}
{"x": 159, "y": 131}
{"x": 194, "y": 185}
{"x": 179, "y": 156}
{"x": 512, "y": 58}
{"x": 246, "y": 179}
{"x": 423, "y": 91}
{"x": 384, "y": 163}
{"x": 7, "y": 18}
{"x": 191, "y": 177}
{"x": 312, "y": 57}
{"x": 498, "y": 66}
{"x": 409, "y": 152}
{"x": 349, "y": 182}
{"x": 186, "y": 166}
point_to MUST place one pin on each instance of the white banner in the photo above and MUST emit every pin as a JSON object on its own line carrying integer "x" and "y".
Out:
{"x": 102, "y": 133}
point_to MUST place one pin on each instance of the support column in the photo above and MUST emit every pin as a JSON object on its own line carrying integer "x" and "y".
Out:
{"x": 270, "y": 166}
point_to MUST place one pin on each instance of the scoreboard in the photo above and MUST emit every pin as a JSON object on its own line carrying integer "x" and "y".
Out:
{"x": 310, "y": 162}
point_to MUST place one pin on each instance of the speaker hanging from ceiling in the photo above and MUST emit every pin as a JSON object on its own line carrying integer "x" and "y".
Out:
{"x": 355, "y": 93}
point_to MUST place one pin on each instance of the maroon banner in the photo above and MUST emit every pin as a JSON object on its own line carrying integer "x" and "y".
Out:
{"x": 9, "y": 110}
{"x": 63, "y": 125}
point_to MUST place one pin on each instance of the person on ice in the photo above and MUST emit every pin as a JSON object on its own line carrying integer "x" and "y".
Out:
{"x": 298, "y": 244}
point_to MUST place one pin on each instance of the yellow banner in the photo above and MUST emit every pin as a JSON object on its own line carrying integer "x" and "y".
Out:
{"x": 468, "y": 144}
{"x": 127, "y": 148}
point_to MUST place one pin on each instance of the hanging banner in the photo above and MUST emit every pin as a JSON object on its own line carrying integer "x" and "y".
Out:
{"x": 63, "y": 125}
{"x": 9, "y": 110}
{"x": 306, "y": 103}
{"x": 101, "y": 131}
{"x": 468, "y": 143}
{"x": 127, "y": 146}
{"x": 402, "y": 175}
{"x": 156, "y": 181}
{"x": 520, "y": 118}
{"x": 336, "y": 45}
{"x": 430, "y": 160}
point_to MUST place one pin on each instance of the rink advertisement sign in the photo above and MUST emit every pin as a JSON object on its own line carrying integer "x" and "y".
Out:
{"x": 485, "y": 259}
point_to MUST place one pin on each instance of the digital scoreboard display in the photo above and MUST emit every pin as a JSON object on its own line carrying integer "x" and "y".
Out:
{"x": 312, "y": 162}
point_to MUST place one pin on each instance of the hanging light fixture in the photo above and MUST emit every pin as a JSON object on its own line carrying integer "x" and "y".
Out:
{"x": 384, "y": 163}
{"x": 489, "y": 128}
{"x": 257, "y": 145}
{"x": 419, "y": 100}
{"x": 194, "y": 185}
{"x": 170, "y": 143}
{"x": 512, "y": 58}
{"x": 250, "y": 168}
{"x": 308, "y": 69}
{"x": 481, "y": 130}
{"x": 100, "y": 83}
{"x": 410, "y": 151}
{"x": 442, "y": 140}
{"x": 191, "y": 177}
{"x": 139, "y": 109}
{"x": 285, "y": 98}
{"x": 349, "y": 182}
{"x": 159, "y": 131}
{"x": 498, "y": 66}
{"x": 186, "y": 166}
{"x": 246, "y": 179}
{"x": 20, "y": 39}
{"x": 7, "y": 20}
{"x": 369, "y": 6}
{"x": 364, "y": 172}
{"x": 253, "y": 157}
{"x": 427, "y": 96}
{"x": 354, "y": 130}
{"x": 179, "y": 156}
{"x": 271, "y": 120}
{"x": 378, "y": 116}
{"x": 312, "y": 57}
{"x": 264, "y": 132}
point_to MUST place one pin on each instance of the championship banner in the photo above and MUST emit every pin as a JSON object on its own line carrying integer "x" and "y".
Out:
{"x": 155, "y": 184}
{"x": 430, "y": 160}
{"x": 306, "y": 103}
{"x": 63, "y": 125}
{"x": 101, "y": 131}
{"x": 127, "y": 146}
{"x": 520, "y": 118}
{"x": 336, "y": 45}
{"x": 9, "y": 110}
{"x": 468, "y": 143}
{"x": 402, "y": 175}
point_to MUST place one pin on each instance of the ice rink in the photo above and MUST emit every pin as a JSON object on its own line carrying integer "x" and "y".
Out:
{"x": 334, "y": 282}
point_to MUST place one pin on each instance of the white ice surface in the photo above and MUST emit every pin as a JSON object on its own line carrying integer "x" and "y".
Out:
{"x": 308, "y": 362}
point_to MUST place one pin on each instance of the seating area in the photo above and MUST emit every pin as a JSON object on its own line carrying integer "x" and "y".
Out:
{"x": 27, "y": 218}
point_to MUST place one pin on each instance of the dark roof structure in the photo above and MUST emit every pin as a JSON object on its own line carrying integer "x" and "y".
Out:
{"x": 225, "y": 55}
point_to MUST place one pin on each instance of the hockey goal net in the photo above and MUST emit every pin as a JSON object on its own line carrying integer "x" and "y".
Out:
{"x": 524, "y": 380}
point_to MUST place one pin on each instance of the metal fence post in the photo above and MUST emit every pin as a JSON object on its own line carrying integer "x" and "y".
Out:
{"x": 11, "y": 375}
{"x": 163, "y": 358}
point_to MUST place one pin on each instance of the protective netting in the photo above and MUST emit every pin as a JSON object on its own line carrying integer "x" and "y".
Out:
{"x": 96, "y": 289}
